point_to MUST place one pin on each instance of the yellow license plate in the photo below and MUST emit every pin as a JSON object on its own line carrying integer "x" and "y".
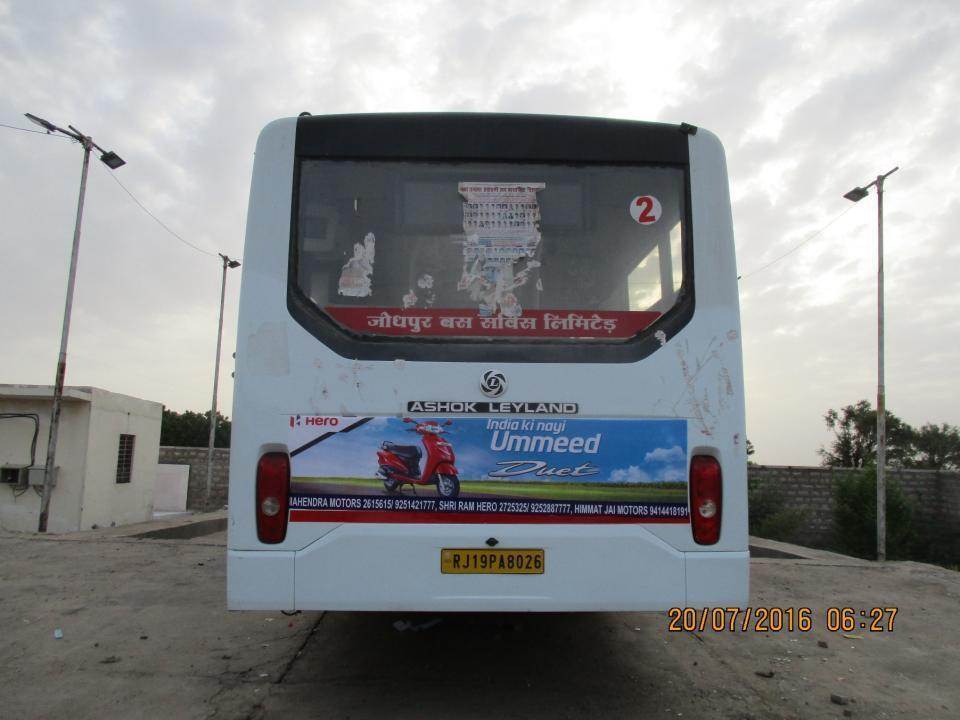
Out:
{"x": 491, "y": 562}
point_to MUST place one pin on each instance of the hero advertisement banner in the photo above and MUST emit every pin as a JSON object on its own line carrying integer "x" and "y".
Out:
{"x": 487, "y": 469}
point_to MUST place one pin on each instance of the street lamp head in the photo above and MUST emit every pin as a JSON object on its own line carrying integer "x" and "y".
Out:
{"x": 112, "y": 160}
{"x": 228, "y": 263}
{"x": 857, "y": 194}
{"x": 48, "y": 126}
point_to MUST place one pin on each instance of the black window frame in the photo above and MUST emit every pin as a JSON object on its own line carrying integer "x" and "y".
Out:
{"x": 124, "y": 472}
{"x": 480, "y": 137}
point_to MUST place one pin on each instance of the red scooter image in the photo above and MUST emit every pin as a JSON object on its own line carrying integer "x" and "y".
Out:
{"x": 400, "y": 464}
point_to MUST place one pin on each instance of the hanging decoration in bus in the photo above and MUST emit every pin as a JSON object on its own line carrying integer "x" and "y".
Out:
{"x": 355, "y": 275}
{"x": 426, "y": 296}
{"x": 487, "y": 469}
{"x": 501, "y": 224}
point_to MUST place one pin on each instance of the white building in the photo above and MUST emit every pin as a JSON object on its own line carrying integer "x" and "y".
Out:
{"x": 106, "y": 458}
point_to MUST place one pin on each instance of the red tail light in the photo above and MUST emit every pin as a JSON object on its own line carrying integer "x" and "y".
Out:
{"x": 706, "y": 496}
{"x": 273, "y": 488}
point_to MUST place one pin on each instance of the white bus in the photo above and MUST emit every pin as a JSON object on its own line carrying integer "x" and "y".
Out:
{"x": 487, "y": 363}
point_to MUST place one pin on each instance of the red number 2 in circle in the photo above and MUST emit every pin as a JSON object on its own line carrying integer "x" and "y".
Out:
{"x": 645, "y": 203}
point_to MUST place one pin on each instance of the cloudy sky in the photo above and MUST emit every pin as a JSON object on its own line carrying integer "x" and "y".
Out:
{"x": 810, "y": 99}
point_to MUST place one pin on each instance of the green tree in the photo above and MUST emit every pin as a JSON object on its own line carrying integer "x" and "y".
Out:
{"x": 855, "y": 516}
{"x": 192, "y": 429}
{"x": 936, "y": 447}
{"x": 750, "y": 451}
{"x": 770, "y": 515}
{"x": 855, "y": 437}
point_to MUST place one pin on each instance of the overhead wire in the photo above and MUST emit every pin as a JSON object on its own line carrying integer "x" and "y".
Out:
{"x": 158, "y": 220}
{"x": 38, "y": 132}
{"x": 125, "y": 189}
{"x": 796, "y": 247}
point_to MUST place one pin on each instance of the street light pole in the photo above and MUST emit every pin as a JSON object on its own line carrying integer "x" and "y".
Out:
{"x": 113, "y": 161}
{"x": 62, "y": 357}
{"x": 227, "y": 264}
{"x": 857, "y": 194}
{"x": 881, "y": 388}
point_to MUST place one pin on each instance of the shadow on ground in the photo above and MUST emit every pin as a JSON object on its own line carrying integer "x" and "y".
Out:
{"x": 476, "y": 665}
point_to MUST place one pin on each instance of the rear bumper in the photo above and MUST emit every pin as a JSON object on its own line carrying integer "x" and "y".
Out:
{"x": 397, "y": 568}
{"x": 260, "y": 580}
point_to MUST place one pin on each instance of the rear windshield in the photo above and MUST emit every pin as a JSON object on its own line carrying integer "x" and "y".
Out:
{"x": 417, "y": 249}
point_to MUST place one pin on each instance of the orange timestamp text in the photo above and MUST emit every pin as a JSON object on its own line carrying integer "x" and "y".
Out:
{"x": 780, "y": 619}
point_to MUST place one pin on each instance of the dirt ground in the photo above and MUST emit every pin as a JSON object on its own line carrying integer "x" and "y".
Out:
{"x": 145, "y": 634}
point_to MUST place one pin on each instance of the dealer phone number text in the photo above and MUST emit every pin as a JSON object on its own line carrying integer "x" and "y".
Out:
{"x": 777, "y": 619}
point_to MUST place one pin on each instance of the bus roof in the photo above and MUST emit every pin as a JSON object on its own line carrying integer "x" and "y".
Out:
{"x": 491, "y": 136}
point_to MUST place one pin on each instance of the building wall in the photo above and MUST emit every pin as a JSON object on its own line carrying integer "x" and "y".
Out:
{"x": 106, "y": 502}
{"x": 196, "y": 458}
{"x": 20, "y": 512}
{"x": 936, "y": 497}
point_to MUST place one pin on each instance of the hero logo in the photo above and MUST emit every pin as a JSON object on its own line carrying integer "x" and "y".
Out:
{"x": 311, "y": 420}
{"x": 493, "y": 383}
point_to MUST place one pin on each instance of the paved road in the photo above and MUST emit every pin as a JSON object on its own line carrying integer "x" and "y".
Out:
{"x": 145, "y": 634}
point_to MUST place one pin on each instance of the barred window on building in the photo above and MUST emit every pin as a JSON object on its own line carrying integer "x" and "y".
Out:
{"x": 125, "y": 458}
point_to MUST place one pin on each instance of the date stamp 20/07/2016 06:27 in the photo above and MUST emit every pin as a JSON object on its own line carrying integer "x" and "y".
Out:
{"x": 780, "y": 619}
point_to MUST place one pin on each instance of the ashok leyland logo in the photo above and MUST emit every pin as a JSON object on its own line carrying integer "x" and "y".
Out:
{"x": 493, "y": 383}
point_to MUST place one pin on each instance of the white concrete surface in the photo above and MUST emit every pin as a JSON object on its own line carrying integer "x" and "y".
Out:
{"x": 170, "y": 489}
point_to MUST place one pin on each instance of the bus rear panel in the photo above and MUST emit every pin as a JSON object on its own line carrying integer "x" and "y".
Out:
{"x": 487, "y": 363}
